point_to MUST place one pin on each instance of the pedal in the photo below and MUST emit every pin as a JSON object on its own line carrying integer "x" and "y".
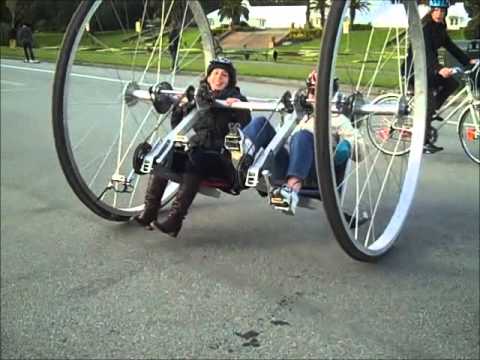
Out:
{"x": 120, "y": 184}
{"x": 284, "y": 203}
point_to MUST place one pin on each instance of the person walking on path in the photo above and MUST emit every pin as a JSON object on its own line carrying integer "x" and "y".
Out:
{"x": 25, "y": 37}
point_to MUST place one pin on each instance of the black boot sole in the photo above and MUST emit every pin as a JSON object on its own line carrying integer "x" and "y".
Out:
{"x": 158, "y": 226}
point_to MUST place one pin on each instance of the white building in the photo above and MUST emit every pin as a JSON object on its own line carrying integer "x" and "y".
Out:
{"x": 271, "y": 17}
{"x": 457, "y": 17}
{"x": 381, "y": 14}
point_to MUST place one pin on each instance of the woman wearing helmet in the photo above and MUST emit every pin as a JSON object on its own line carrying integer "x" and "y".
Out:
{"x": 301, "y": 159}
{"x": 206, "y": 157}
{"x": 440, "y": 78}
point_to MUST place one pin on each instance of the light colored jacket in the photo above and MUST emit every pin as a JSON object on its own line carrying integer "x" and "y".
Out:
{"x": 342, "y": 129}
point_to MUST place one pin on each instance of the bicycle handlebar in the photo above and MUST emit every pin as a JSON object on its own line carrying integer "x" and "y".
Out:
{"x": 462, "y": 71}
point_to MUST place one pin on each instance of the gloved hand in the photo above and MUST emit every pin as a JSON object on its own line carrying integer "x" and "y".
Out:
{"x": 204, "y": 97}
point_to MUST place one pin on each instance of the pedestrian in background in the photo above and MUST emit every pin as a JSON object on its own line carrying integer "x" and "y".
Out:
{"x": 25, "y": 36}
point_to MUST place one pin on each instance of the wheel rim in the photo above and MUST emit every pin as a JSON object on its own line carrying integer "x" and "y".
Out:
{"x": 380, "y": 185}
{"x": 96, "y": 129}
{"x": 469, "y": 132}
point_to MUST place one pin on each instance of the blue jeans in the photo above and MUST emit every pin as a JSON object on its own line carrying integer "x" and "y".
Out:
{"x": 302, "y": 156}
{"x": 300, "y": 163}
{"x": 260, "y": 132}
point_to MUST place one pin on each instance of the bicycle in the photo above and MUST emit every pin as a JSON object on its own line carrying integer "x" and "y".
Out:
{"x": 111, "y": 128}
{"x": 383, "y": 130}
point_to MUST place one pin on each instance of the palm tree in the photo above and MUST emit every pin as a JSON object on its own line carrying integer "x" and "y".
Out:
{"x": 308, "y": 24}
{"x": 321, "y": 6}
{"x": 358, "y": 5}
{"x": 233, "y": 9}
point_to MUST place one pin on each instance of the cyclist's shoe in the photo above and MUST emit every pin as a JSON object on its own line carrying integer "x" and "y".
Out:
{"x": 429, "y": 148}
{"x": 284, "y": 199}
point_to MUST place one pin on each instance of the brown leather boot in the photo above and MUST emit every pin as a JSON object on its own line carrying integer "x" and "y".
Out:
{"x": 184, "y": 198}
{"x": 153, "y": 198}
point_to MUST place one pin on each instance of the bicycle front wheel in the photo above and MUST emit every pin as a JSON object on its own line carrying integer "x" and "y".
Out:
{"x": 367, "y": 198}
{"x": 110, "y": 49}
{"x": 389, "y": 133}
{"x": 469, "y": 134}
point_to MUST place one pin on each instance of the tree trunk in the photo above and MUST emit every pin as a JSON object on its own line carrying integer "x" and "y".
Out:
{"x": 308, "y": 24}
{"x": 352, "y": 15}
{"x": 12, "y": 5}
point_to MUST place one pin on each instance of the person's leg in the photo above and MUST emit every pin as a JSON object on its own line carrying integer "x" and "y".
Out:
{"x": 434, "y": 102}
{"x": 153, "y": 198}
{"x": 301, "y": 158}
{"x": 260, "y": 132}
{"x": 27, "y": 55}
{"x": 195, "y": 171}
{"x": 447, "y": 88}
{"x": 285, "y": 198}
{"x": 30, "y": 49}
{"x": 185, "y": 195}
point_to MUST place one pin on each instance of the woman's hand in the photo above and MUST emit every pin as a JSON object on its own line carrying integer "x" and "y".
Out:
{"x": 474, "y": 61}
{"x": 230, "y": 101}
{"x": 446, "y": 72}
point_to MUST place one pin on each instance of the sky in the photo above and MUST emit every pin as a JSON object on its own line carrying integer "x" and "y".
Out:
{"x": 285, "y": 15}
{"x": 379, "y": 6}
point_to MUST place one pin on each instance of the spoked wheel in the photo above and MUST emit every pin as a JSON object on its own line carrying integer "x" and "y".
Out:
{"x": 368, "y": 197}
{"x": 110, "y": 49}
{"x": 469, "y": 133}
{"x": 389, "y": 133}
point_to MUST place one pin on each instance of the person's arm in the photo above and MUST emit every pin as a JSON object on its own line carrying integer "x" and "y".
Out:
{"x": 243, "y": 117}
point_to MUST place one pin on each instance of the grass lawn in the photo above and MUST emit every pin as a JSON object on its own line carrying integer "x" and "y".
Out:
{"x": 294, "y": 60}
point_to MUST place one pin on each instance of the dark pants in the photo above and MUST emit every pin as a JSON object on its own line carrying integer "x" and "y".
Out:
{"x": 27, "y": 48}
{"x": 209, "y": 164}
{"x": 440, "y": 89}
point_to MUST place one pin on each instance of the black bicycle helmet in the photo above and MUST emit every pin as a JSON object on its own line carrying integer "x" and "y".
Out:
{"x": 225, "y": 64}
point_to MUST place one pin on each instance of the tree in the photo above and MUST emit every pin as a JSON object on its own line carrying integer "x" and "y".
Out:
{"x": 472, "y": 31}
{"x": 11, "y": 5}
{"x": 472, "y": 7}
{"x": 233, "y": 9}
{"x": 308, "y": 24}
{"x": 358, "y": 5}
{"x": 321, "y": 6}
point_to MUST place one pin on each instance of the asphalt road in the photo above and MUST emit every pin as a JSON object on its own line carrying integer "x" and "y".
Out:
{"x": 241, "y": 281}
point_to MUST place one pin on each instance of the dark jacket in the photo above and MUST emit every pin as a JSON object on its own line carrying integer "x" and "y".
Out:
{"x": 436, "y": 36}
{"x": 212, "y": 126}
{"x": 25, "y": 35}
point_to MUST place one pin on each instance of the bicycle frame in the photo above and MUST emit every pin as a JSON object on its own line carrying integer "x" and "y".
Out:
{"x": 468, "y": 102}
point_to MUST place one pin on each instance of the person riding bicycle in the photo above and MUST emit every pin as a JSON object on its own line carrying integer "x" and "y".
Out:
{"x": 207, "y": 157}
{"x": 440, "y": 78}
{"x": 301, "y": 147}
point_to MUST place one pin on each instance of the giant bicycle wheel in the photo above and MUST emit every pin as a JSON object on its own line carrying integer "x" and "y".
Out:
{"x": 367, "y": 207}
{"x": 110, "y": 49}
{"x": 469, "y": 133}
